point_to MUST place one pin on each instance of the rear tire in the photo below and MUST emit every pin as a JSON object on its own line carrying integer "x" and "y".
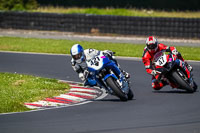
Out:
{"x": 181, "y": 82}
{"x": 130, "y": 95}
{"x": 118, "y": 92}
{"x": 195, "y": 86}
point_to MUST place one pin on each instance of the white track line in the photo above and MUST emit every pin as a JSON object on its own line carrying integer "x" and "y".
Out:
{"x": 84, "y": 94}
{"x": 73, "y": 98}
{"x": 47, "y": 103}
{"x": 84, "y": 90}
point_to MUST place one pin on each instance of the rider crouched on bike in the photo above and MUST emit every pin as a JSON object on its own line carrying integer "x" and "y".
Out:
{"x": 79, "y": 58}
{"x": 152, "y": 47}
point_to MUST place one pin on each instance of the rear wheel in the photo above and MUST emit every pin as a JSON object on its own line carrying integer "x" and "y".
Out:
{"x": 195, "y": 86}
{"x": 114, "y": 86}
{"x": 179, "y": 78}
{"x": 130, "y": 95}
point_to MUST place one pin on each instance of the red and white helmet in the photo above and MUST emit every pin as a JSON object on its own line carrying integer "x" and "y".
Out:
{"x": 152, "y": 44}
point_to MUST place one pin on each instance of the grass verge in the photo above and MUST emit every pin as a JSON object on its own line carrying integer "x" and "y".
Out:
{"x": 120, "y": 12}
{"x": 16, "y": 89}
{"x": 64, "y": 46}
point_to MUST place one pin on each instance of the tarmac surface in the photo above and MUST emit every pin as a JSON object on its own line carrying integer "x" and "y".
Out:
{"x": 164, "y": 111}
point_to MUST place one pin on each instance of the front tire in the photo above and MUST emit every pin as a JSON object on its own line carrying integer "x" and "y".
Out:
{"x": 181, "y": 82}
{"x": 118, "y": 92}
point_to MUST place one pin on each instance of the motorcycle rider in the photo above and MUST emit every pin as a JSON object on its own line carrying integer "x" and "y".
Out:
{"x": 79, "y": 58}
{"x": 152, "y": 47}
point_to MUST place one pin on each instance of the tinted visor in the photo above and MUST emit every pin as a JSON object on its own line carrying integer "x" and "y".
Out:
{"x": 77, "y": 56}
{"x": 151, "y": 46}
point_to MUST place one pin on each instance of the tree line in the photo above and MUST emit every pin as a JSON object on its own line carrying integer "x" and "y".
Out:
{"x": 140, "y": 4}
{"x": 169, "y": 5}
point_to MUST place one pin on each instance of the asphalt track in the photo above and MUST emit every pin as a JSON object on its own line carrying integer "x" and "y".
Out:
{"x": 168, "y": 110}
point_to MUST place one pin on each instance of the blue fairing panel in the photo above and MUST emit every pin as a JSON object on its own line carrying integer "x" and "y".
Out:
{"x": 110, "y": 75}
{"x": 91, "y": 69}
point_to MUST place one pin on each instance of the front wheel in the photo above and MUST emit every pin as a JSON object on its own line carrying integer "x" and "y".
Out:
{"x": 178, "y": 76}
{"x": 114, "y": 86}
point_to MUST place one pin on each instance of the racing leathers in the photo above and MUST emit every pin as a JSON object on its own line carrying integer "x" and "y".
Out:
{"x": 81, "y": 68}
{"x": 147, "y": 60}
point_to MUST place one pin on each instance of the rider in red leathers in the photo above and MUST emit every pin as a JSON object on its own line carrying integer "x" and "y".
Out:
{"x": 152, "y": 47}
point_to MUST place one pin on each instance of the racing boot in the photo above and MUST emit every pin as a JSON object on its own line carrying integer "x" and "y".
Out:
{"x": 156, "y": 85}
{"x": 164, "y": 82}
{"x": 90, "y": 82}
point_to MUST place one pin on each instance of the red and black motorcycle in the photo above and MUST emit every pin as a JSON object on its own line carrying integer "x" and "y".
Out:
{"x": 176, "y": 76}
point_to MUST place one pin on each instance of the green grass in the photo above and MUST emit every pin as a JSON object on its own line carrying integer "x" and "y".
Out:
{"x": 64, "y": 46}
{"x": 16, "y": 89}
{"x": 120, "y": 12}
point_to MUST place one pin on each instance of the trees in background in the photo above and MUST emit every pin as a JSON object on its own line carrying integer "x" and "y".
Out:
{"x": 15, "y": 5}
{"x": 147, "y": 4}
{"x": 170, "y": 5}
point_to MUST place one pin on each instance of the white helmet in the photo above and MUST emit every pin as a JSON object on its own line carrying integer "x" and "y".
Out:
{"x": 77, "y": 53}
{"x": 152, "y": 44}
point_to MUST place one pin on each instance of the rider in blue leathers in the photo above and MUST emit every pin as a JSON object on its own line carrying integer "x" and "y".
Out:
{"x": 79, "y": 58}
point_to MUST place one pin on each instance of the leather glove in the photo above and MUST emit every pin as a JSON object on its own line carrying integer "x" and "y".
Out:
{"x": 108, "y": 52}
{"x": 154, "y": 72}
{"x": 81, "y": 76}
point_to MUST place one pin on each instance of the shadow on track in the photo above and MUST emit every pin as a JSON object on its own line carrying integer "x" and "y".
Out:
{"x": 174, "y": 92}
{"x": 112, "y": 100}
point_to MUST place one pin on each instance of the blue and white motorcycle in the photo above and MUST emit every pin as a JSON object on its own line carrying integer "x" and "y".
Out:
{"x": 107, "y": 75}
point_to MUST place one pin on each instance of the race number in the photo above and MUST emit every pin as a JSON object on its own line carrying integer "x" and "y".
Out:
{"x": 95, "y": 61}
{"x": 161, "y": 61}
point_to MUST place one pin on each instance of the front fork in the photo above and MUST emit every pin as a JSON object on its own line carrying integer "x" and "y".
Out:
{"x": 122, "y": 83}
{"x": 181, "y": 64}
{"x": 115, "y": 73}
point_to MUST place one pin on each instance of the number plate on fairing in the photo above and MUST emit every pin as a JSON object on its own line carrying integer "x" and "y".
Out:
{"x": 96, "y": 63}
{"x": 162, "y": 60}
